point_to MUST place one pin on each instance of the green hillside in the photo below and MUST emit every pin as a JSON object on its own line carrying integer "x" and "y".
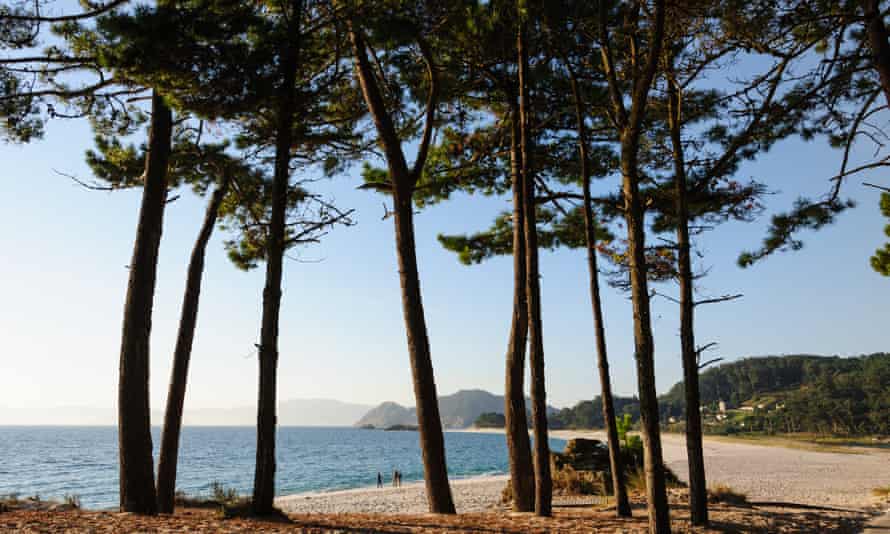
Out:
{"x": 799, "y": 393}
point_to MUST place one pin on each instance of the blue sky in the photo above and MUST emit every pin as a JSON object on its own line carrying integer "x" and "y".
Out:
{"x": 63, "y": 281}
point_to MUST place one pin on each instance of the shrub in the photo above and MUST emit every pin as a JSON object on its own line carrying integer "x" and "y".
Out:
{"x": 725, "y": 494}
{"x": 636, "y": 479}
{"x": 882, "y": 492}
{"x": 220, "y": 497}
{"x": 569, "y": 481}
{"x": 221, "y": 494}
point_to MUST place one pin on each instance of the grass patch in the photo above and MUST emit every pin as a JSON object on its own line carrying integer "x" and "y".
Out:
{"x": 227, "y": 501}
{"x": 12, "y": 501}
{"x": 636, "y": 480}
{"x": 721, "y": 493}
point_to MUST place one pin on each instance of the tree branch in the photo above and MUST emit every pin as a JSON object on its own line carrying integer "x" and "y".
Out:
{"x": 724, "y": 298}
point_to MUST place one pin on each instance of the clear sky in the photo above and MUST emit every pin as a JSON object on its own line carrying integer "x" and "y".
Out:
{"x": 63, "y": 280}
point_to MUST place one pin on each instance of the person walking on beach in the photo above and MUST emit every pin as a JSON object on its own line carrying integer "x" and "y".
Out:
{"x": 398, "y": 478}
{"x": 395, "y": 478}
{"x": 379, "y": 479}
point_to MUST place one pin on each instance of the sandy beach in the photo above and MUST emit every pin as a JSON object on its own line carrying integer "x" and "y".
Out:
{"x": 476, "y": 494}
{"x": 764, "y": 473}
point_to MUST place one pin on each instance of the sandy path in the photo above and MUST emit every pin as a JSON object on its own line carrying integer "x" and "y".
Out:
{"x": 780, "y": 474}
{"x": 763, "y": 473}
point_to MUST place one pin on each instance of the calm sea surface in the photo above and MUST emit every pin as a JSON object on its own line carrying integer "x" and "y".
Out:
{"x": 55, "y": 461}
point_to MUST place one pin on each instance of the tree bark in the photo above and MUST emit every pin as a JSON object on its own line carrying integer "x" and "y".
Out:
{"x": 137, "y": 489}
{"x": 543, "y": 482}
{"x": 522, "y": 476}
{"x": 264, "y": 475}
{"x": 877, "y": 41}
{"x": 182, "y": 354}
{"x": 629, "y": 127}
{"x": 644, "y": 348}
{"x": 698, "y": 492}
{"x": 432, "y": 439}
{"x": 622, "y": 506}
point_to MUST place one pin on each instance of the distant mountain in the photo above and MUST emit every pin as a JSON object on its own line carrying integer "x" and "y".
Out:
{"x": 457, "y": 410}
{"x": 388, "y": 414}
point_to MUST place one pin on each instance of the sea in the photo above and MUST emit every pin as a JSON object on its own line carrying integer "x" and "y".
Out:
{"x": 54, "y": 461}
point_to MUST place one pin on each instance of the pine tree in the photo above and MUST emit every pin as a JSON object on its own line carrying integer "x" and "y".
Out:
{"x": 237, "y": 85}
{"x": 401, "y": 182}
{"x": 638, "y": 75}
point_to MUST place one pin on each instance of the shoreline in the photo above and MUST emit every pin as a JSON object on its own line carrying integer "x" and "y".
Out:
{"x": 454, "y": 480}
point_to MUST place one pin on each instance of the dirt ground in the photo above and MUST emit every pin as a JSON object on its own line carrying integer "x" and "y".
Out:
{"x": 568, "y": 518}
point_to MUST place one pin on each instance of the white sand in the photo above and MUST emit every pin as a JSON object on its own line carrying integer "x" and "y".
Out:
{"x": 780, "y": 474}
{"x": 763, "y": 473}
{"x": 474, "y": 494}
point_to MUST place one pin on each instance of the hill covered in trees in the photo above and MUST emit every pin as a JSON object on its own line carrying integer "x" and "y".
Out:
{"x": 796, "y": 393}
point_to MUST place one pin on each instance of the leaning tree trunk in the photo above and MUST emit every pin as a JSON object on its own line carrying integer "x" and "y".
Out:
{"x": 137, "y": 487}
{"x": 877, "y": 41}
{"x": 543, "y": 482}
{"x": 522, "y": 475}
{"x": 644, "y": 348}
{"x": 432, "y": 440}
{"x": 698, "y": 492}
{"x": 181, "y": 355}
{"x": 622, "y": 506}
{"x": 429, "y": 423}
{"x": 264, "y": 474}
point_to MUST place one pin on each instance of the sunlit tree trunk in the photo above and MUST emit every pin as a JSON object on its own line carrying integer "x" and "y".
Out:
{"x": 137, "y": 486}
{"x": 622, "y": 506}
{"x": 629, "y": 126}
{"x": 182, "y": 354}
{"x": 264, "y": 475}
{"x": 432, "y": 439}
{"x": 698, "y": 492}
{"x": 522, "y": 476}
{"x": 543, "y": 482}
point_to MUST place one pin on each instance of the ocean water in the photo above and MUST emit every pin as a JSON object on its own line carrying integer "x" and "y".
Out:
{"x": 55, "y": 461}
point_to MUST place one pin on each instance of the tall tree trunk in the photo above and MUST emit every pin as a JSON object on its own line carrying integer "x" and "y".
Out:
{"x": 182, "y": 354}
{"x": 543, "y": 482}
{"x": 630, "y": 130}
{"x": 877, "y": 41}
{"x": 522, "y": 476}
{"x": 264, "y": 475}
{"x": 644, "y": 348}
{"x": 432, "y": 439}
{"x": 622, "y": 506}
{"x": 137, "y": 487}
{"x": 698, "y": 492}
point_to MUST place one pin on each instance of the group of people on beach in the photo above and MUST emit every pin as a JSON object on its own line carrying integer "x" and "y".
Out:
{"x": 396, "y": 479}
